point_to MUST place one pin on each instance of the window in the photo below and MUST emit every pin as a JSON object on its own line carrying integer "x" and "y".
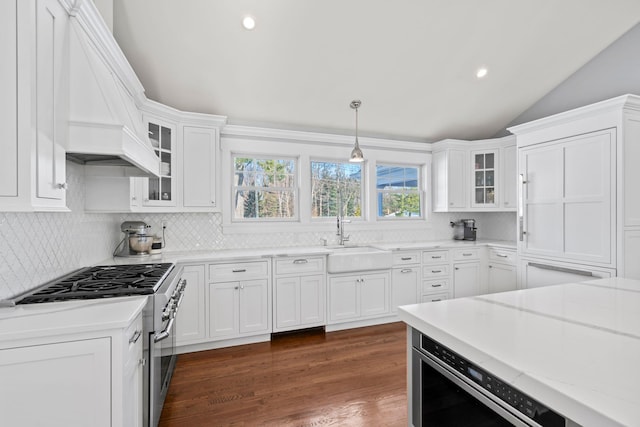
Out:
{"x": 336, "y": 187}
{"x": 399, "y": 190}
{"x": 264, "y": 188}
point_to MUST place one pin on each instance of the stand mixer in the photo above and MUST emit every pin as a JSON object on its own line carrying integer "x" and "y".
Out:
{"x": 136, "y": 241}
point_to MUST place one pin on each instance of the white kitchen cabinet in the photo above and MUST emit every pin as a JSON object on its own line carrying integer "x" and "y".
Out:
{"x": 586, "y": 214}
{"x": 9, "y": 100}
{"x": 450, "y": 190}
{"x": 404, "y": 286}
{"x": 191, "y": 319}
{"x": 535, "y": 273}
{"x": 239, "y": 299}
{"x": 466, "y": 279}
{"x": 471, "y": 176}
{"x": 34, "y": 106}
{"x": 405, "y": 278}
{"x": 568, "y": 198}
{"x": 484, "y": 178}
{"x": 354, "y": 297}
{"x": 299, "y": 292}
{"x": 89, "y": 375}
{"x": 502, "y": 273}
{"x": 161, "y": 191}
{"x": 199, "y": 150}
{"x": 238, "y": 308}
{"x": 502, "y": 277}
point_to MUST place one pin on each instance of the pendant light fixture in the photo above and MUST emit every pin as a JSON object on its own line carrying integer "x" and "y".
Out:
{"x": 356, "y": 153}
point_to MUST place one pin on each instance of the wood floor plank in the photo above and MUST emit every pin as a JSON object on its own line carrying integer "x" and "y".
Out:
{"x": 355, "y": 377}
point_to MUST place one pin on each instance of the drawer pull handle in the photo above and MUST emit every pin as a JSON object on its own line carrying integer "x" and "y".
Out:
{"x": 561, "y": 269}
{"x": 406, "y": 270}
{"x": 300, "y": 261}
{"x": 436, "y": 256}
{"x": 436, "y": 300}
{"x": 467, "y": 254}
{"x": 501, "y": 255}
{"x": 436, "y": 271}
{"x": 436, "y": 286}
{"x": 239, "y": 270}
{"x": 406, "y": 258}
{"x": 135, "y": 337}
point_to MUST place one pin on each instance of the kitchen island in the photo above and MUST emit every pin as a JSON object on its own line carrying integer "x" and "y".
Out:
{"x": 573, "y": 347}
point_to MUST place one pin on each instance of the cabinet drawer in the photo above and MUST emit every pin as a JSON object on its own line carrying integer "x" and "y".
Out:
{"x": 404, "y": 258}
{"x": 238, "y": 271}
{"x": 435, "y": 257}
{"x": 505, "y": 256}
{"x": 432, "y": 286}
{"x": 299, "y": 265}
{"x": 466, "y": 254}
{"x": 434, "y": 297}
{"x": 133, "y": 340}
{"x": 435, "y": 271}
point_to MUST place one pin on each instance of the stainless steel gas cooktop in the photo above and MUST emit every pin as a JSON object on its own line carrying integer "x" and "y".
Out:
{"x": 104, "y": 281}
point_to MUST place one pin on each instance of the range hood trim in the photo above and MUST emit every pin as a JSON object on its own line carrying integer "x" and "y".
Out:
{"x": 111, "y": 140}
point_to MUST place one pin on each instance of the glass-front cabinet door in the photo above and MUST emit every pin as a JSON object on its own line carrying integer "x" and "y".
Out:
{"x": 161, "y": 191}
{"x": 484, "y": 176}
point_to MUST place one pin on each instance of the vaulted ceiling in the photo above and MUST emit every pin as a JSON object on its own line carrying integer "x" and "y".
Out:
{"x": 412, "y": 63}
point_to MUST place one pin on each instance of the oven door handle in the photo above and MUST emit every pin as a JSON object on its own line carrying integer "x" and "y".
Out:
{"x": 166, "y": 332}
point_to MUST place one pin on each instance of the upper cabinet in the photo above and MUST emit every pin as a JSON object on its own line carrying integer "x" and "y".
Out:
{"x": 34, "y": 77}
{"x": 474, "y": 175}
{"x": 187, "y": 145}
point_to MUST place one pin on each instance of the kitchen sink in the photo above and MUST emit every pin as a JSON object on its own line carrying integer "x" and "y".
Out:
{"x": 345, "y": 259}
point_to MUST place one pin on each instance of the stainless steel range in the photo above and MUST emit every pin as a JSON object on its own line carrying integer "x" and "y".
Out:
{"x": 164, "y": 287}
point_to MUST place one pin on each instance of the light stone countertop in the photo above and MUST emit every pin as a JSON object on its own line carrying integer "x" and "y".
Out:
{"x": 244, "y": 254}
{"x": 573, "y": 347}
{"x": 24, "y": 322}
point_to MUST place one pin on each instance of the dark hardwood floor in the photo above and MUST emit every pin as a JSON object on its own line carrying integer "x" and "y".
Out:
{"x": 355, "y": 377}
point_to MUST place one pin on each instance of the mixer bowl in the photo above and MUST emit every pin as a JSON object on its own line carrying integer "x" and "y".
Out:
{"x": 140, "y": 243}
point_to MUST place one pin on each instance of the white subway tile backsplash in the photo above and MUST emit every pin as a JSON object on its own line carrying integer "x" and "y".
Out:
{"x": 38, "y": 247}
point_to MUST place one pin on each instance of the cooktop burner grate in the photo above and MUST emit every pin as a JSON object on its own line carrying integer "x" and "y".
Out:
{"x": 102, "y": 282}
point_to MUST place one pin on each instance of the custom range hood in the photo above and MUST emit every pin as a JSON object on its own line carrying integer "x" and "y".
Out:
{"x": 105, "y": 126}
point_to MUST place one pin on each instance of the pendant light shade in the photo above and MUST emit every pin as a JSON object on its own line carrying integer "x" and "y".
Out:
{"x": 356, "y": 153}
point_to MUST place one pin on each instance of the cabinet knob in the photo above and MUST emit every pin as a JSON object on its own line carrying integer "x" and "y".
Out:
{"x": 63, "y": 186}
{"x": 236, "y": 288}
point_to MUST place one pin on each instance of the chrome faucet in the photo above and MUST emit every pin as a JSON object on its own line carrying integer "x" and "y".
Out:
{"x": 340, "y": 223}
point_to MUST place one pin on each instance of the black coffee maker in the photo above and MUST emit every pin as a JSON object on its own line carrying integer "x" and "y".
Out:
{"x": 464, "y": 229}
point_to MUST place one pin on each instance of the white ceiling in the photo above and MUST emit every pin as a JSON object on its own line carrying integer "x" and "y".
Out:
{"x": 411, "y": 62}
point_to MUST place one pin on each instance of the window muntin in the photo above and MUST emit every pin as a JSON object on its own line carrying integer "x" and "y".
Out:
{"x": 264, "y": 188}
{"x": 398, "y": 191}
{"x": 336, "y": 187}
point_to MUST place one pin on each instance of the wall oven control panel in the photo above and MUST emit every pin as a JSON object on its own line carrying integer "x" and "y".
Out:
{"x": 521, "y": 402}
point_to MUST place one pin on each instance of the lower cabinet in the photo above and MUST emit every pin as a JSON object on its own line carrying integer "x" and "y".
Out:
{"x": 502, "y": 277}
{"x": 299, "y": 302}
{"x": 355, "y": 297}
{"x": 238, "y": 308}
{"x": 191, "y": 319}
{"x": 404, "y": 286}
{"x": 466, "y": 279}
{"x": 91, "y": 378}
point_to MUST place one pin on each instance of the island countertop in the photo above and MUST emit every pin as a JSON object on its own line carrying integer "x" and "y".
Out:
{"x": 574, "y": 347}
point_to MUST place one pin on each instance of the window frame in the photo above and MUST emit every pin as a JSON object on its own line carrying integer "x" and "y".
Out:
{"x": 420, "y": 191}
{"x": 295, "y": 189}
{"x": 364, "y": 207}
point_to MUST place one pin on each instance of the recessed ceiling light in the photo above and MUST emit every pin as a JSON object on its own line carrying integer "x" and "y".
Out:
{"x": 482, "y": 72}
{"x": 248, "y": 22}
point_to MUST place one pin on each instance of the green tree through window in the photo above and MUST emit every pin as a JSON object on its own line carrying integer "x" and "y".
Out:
{"x": 336, "y": 186}
{"x": 264, "y": 188}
